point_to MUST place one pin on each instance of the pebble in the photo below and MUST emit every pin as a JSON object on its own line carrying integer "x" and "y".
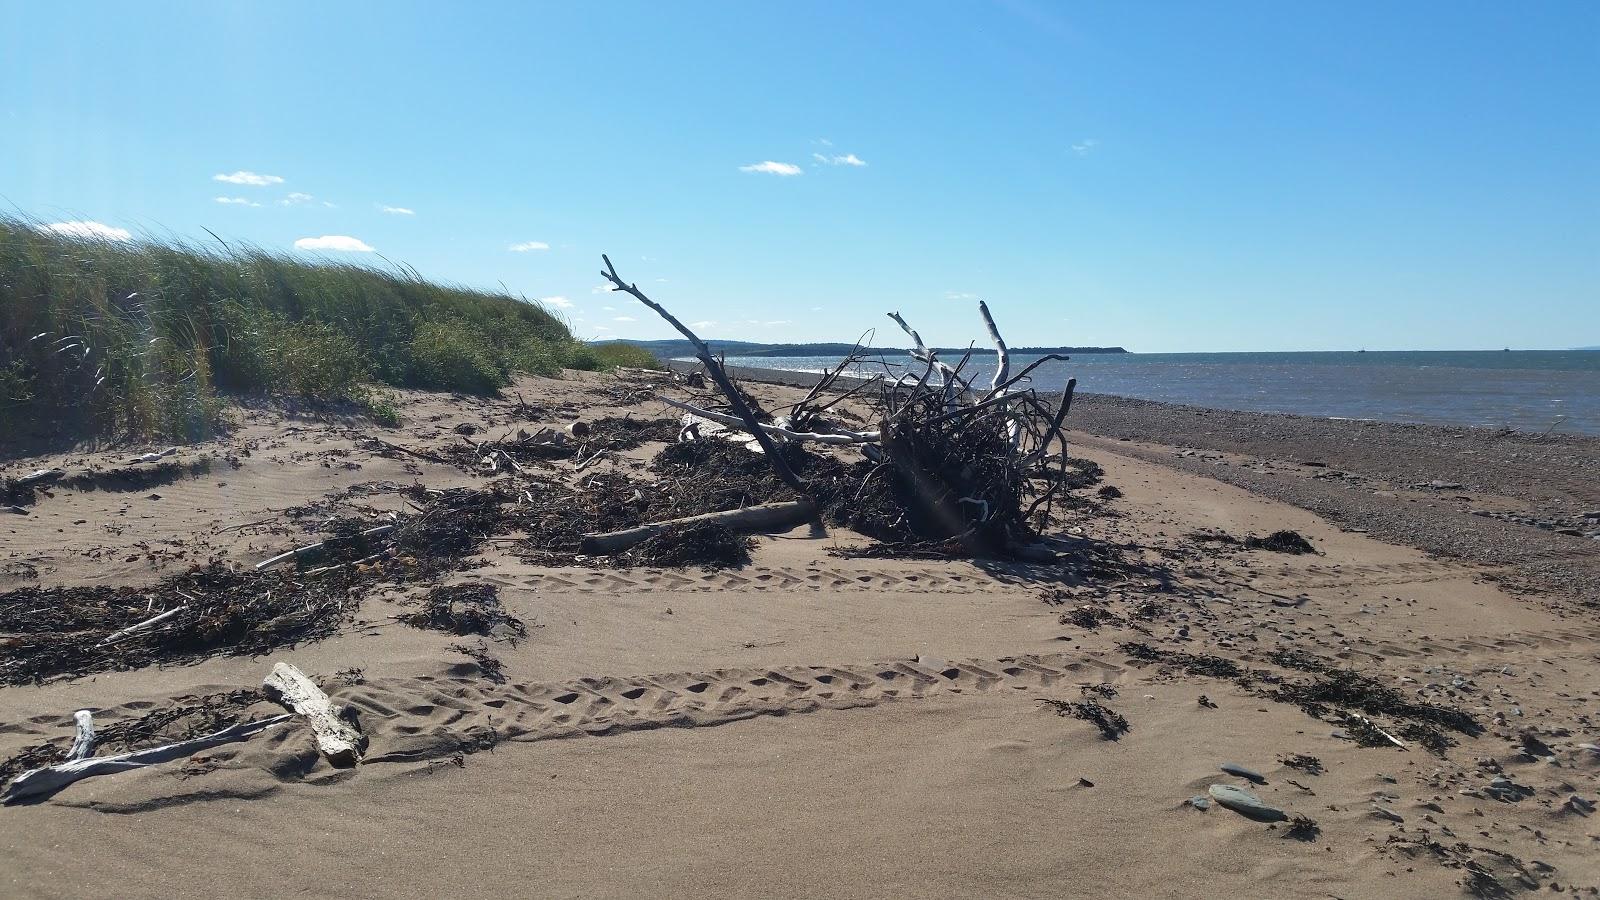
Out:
{"x": 1200, "y": 802}
{"x": 1579, "y": 805}
{"x": 1245, "y": 803}
{"x": 1242, "y": 772}
{"x": 1390, "y": 815}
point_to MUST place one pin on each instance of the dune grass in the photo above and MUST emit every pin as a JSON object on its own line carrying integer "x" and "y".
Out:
{"x": 143, "y": 338}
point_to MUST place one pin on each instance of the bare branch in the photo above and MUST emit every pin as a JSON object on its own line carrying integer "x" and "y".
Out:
{"x": 718, "y": 375}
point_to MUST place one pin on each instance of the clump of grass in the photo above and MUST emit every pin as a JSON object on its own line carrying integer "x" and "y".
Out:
{"x": 616, "y": 353}
{"x": 141, "y": 337}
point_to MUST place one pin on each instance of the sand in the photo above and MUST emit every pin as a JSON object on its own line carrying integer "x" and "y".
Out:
{"x": 809, "y": 725}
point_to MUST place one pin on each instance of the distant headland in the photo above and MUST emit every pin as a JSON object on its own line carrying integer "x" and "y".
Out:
{"x": 668, "y": 349}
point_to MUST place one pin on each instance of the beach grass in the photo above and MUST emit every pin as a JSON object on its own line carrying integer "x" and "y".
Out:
{"x": 144, "y": 337}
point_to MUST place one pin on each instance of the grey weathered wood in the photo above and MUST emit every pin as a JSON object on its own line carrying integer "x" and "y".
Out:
{"x": 140, "y": 626}
{"x": 841, "y": 437}
{"x": 41, "y": 783}
{"x": 41, "y": 476}
{"x": 83, "y": 741}
{"x": 338, "y": 740}
{"x": 751, "y": 518}
{"x": 291, "y": 554}
{"x": 1002, "y": 369}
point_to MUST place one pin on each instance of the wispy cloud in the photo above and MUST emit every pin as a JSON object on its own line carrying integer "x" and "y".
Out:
{"x": 526, "y": 246}
{"x": 398, "y": 210}
{"x": 601, "y": 288}
{"x": 237, "y": 201}
{"x": 297, "y": 198}
{"x": 623, "y": 319}
{"x": 705, "y": 323}
{"x": 249, "y": 178}
{"x": 340, "y": 242}
{"x": 773, "y": 168}
{"x": 1085, "y": 146}
{"x": 779, "y": 322}
{"x": 847, "y": 159}
{"x": 959, "y": 295}
{"x": 558, "y": 302}
{"x": 85, "y": 229}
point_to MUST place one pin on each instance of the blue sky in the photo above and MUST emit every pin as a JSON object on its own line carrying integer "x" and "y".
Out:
{"x": 1166, "y": 176}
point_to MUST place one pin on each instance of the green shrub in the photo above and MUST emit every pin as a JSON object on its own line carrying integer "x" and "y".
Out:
{"x": 451, "y": 356}
{"x": 610, "y": 355}
{"x": 381, "y": 408}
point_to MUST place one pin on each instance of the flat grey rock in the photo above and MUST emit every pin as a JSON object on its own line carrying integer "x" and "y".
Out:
{"x": 1389, "y": 815}
{"x": 1245, "y": 803}
{"x": 1201, "y": 802}
{"x": 1242, "y": 772}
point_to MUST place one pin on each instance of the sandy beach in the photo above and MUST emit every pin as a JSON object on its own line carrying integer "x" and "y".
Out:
{"x": 830, "y": 723}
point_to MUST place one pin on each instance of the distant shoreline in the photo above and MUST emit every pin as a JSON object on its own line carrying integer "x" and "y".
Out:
{"x": 667, "y": 349}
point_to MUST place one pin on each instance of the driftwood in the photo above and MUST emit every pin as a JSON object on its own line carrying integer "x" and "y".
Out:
{"x": 338, "y": 740}
{"x": 41, "y": 783}
{"x": 298, "y": 551}
{"x": 839, "y": 437}
{"x": 153, "y": 457}
{"x": 83, "y": 741}
{"x": 752, "y": 518}
{"x": 136, "y": 627}
{"x": 41, "y": 476}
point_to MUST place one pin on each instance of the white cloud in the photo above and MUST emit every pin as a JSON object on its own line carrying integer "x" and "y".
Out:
{"x": 848, "y": 159}
{"x": 708, "y": 323}
{"x": 92, "y": 230}
{"x": 959, "y": 295}
{"x": 297, "y": 198}
{"x": 237, "y": 201}
{"x": 825, "y": 142}
{"x": 250, "y": 178}
{"x": 525, "y": 246}
{"x": 773, "y": 168}
{"x": 559, "y": 302}
{"x": 779, "y": 322}
{"x": 340, "y": 242}
{"x": 623, "y": 319}
{"x": 398, "y": 210}
{"x": 601, "y": 288}
{"x": 1083, "y": 147}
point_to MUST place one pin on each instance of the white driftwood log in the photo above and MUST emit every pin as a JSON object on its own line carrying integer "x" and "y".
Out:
{"x": 751, "y": 518}
{"x": 839, "y": 437}
{"x": 41, "y": 476}
{"x": 338, "y": 740}
{"x": 140, "y": 626}
{"x": 1002, "y": 369}
{"x": 291, "y": 554}
{"x": 40, "y": 783}
{"x": 83, "y": 741}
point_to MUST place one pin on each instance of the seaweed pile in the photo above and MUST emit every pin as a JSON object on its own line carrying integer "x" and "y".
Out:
{"x": 45, "y": 632}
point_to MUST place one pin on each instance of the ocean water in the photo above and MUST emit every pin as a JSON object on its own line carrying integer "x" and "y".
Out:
{"x": 1529, "y": 390}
